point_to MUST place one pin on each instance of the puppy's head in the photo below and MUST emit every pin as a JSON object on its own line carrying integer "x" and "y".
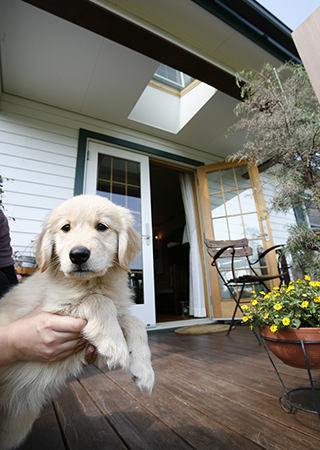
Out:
{"x": 85, "y": 236}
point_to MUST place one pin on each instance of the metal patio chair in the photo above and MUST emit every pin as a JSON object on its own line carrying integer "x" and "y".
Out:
{"x": 236, "y": 285}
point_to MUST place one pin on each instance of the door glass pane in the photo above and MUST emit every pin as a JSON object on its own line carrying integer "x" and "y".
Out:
{"x": 228, "y": 181}
{"x": 119, "y": 170}
{"x": 242, "y": 176}
{"x": 234, "y": 216}
{"x": 236, "y": 227}
{"x": 220, "y": 228}
{"x": 257, "y": 249}
{"x": 119, "y": 180}
{"x": 214, "y": 184}
{"x": 251, "y": 224}
{"x": 217, "y": 205}
{"x": 105, "y": 167}
{"x": 247, "y": 201}
{"x": 232, "y": 202}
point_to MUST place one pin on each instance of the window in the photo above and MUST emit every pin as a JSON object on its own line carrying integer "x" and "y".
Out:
{"x": 172, "y": 77}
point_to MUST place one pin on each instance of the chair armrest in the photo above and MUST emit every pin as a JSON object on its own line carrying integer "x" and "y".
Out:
{"x": 263, "y": 254}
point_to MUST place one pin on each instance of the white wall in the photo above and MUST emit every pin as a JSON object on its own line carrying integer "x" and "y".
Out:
{"x": 38, "y": 150}
{"x": 278, "y": 221}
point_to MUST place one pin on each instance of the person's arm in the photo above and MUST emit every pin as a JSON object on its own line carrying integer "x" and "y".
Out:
{"x": 42, "y": 336}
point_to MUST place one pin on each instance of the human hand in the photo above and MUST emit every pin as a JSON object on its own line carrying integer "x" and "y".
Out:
{"x": 43, "y": 337}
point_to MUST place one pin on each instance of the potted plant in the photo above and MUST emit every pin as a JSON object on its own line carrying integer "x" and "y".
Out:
{"x": 287, "y": 315}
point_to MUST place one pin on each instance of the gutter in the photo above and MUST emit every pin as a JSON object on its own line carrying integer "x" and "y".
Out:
{"x": 256, "y": 23}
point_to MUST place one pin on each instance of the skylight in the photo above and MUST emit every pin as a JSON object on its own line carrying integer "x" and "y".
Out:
{"x": 172, "y": 77}
{"x": 170, "y": 100}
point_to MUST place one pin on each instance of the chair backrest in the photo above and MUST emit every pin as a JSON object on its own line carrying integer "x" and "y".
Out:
{"x": 238, "y": 247}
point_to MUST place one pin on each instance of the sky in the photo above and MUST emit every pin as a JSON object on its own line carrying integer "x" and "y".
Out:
{"x": 291, "y": 12}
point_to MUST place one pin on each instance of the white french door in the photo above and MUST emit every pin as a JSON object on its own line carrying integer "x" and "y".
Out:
{"x": 123, "y": 177}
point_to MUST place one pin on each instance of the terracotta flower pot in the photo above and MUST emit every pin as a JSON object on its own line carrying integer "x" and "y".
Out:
{"x": 292, "y": 353}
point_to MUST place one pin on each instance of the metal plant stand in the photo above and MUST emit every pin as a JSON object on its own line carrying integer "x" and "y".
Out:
{"x": 285, "y": 400}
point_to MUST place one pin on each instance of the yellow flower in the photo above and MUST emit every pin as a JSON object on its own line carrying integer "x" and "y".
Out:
{"x": 273, "y": 328}
{"x": 307, "y": 278}
{"x": 266, "y": 316}
{"x": 244, "y": 307}
{"x": 276, "y": 288}
{"x": 304, "y": 304}
{"x": 245, "y": 319}
{"x": 290, "y": 288}
{"x": 286, "y": 321}
{"x": 317, "y": 299}
{"x": 277, "y": 306}
{"x": 254, "y": 302}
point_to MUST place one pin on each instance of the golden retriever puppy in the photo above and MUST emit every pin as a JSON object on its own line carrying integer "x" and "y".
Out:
{"x": 83, "y": 254}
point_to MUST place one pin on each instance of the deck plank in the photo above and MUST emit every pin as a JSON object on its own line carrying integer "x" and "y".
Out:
{"x": 138, "y": 428}
{"x": 45, "y": 433}
{"x": 212, "y": 391}
{"x": 83, "y": 424}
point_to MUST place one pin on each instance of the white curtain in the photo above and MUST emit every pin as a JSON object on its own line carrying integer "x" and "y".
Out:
{"x": 197, "y": 306}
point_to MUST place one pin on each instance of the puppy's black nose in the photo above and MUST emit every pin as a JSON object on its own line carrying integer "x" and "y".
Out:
{"x": 79, "y": 255}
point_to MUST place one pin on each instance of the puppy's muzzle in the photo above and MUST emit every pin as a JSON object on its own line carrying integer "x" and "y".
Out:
{"x": 79, "y": 255}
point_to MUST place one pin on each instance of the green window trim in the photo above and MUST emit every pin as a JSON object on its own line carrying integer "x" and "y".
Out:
{"x": 84, "y": 135}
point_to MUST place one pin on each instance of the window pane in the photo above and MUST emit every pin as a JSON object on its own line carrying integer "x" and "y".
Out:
{"x": 119, "y": 170}
{"x": 232, "y": 202}
{"x": 251, "y": 224}
{"x": 133, "y": 199}
{"x": 217, "y": 206}
{"x": 243, "y": 180}
{"x": 257, "y": 249}
{"x": 119, "y": 181}
{"x": 133, "y": 173}
{"x": 247, "y": 201}
{"x": 214, "y": 184}
{"x": 118, "y": 195}
{"x": 228, "y": 181}
{"x": 236, "y": 227}
{"x": 104, "y": 167}
{"x": 220, "y": 229}
{"x": 103, "y": 189}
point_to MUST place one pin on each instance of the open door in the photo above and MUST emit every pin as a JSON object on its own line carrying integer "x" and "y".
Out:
{"x": 233, "y": 207}
{"x": 123, "y": 177}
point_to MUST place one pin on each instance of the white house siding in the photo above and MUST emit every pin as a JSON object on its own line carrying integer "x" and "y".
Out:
{"x": 278, "y": 221}
{"x": 38, "y": 151}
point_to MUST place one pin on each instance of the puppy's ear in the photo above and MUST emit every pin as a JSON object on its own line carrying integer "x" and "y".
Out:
{"x": 44, "y": 252}
{"x": 128, "y": 247}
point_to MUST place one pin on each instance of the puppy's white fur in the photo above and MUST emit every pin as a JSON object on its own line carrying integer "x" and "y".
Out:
{"x": 96, "y": 290}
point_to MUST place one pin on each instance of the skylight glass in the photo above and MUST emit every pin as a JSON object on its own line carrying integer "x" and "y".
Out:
{"x": 172, "y": 77}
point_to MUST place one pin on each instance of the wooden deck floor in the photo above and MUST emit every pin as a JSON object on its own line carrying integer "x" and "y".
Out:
{"x": 212, "y": 392}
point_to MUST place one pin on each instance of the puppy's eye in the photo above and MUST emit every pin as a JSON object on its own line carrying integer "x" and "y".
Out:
{"x": 101, "y": 227}
{"x": 66, "y": 228}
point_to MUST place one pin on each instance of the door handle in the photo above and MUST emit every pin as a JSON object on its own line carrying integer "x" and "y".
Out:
{"x": 147, "y": 236}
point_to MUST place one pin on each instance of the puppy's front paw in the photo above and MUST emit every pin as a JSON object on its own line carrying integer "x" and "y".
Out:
{"x": 115, "y": 353}
{"x": 143, "y": 375}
